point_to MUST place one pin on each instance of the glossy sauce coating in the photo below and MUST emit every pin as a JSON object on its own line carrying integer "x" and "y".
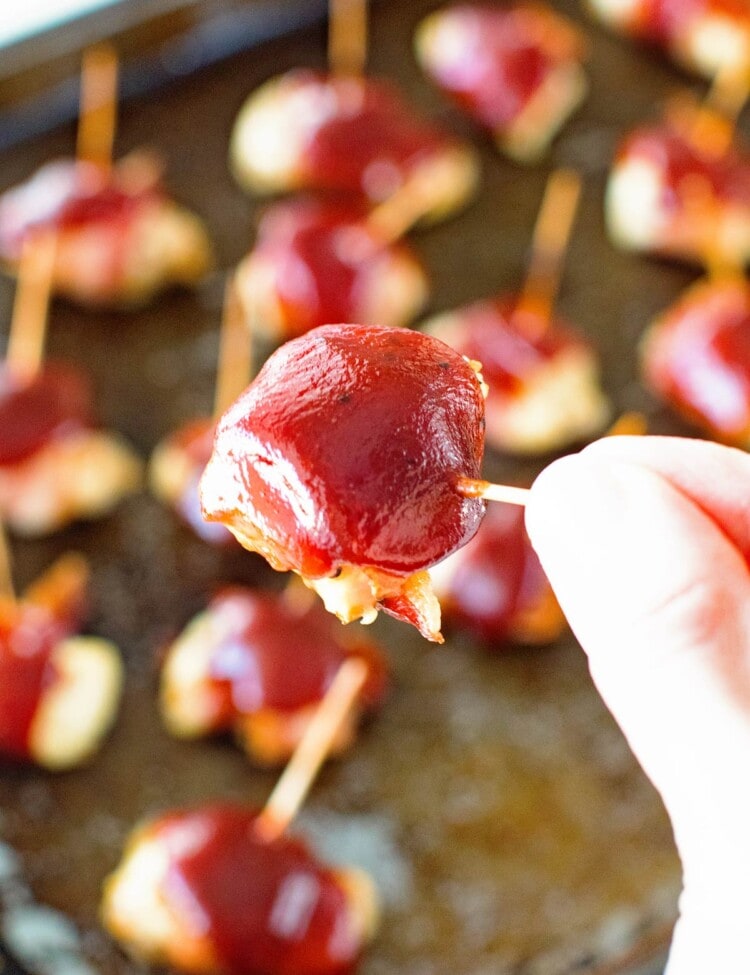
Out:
{"x": 369, "y": 139}
{"x": 511, "y": 345}
{"x": 324, "y": 261}
{"x": 56, "y": 402}
{"x": 504, "y": 55}
{"x": 346, "y": 449}
{"x": 28, "y": 635}
{"x": 495, "y": 577}
{"x": 268, "y": 908}
{"x": 273, "y": 655}
{"x": 69, "y": 195}
{"x": 697, "y": 357}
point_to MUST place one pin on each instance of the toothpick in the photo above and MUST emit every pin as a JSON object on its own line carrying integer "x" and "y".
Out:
{"x": 632, "y": 424}
{"x": 347, "y": 37}
{"x": 235, "y": 351}
{"x": 291, "y": 789}
{"x": 7, "y": 589}
{"x": 716, "y": 120}
{"x": 548, "y": 248}
{"x": 28, "y": 328}
{"x": 98, "y": 112}
{"x": 507, "y": 493}
{"x": 390, "y": 220}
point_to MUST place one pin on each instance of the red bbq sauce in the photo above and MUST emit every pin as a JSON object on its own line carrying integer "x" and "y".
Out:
{"x": 505, "y": 56}
{"x": 346, "y": 449}
{"x": 681, "y": 162}
{"x": 56, "y": 402}
{"x": 28, "y": 635}
{"x": 511, "y": 345}
{"x": 272, "y": 655}
{"x": 697, "y": 358}
{"x": 369, "y": 139}
{"x": 325, "y": 262}
{"x": 268, "y": 908}
{"x": 70, "y": 195}
{"x": 494, "y": 578}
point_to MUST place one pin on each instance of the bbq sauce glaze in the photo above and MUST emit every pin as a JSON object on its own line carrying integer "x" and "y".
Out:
{"x": 268, "y": 908}
{"x": 273, "y": 655}
{"x": 346, "y": 449}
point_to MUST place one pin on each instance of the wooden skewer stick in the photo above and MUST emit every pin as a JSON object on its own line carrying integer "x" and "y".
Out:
{"x": 286, "y": 799}
{"x": 715, "y": 121}
{"x": 347, "y": 37}
{"x": 28, "y": 327}
{"x": 548, "y": 248}
{"x": 632, "y": 424}
{"x": 507, "y": 493}
{"x": 390, "y": 220}
{"x": 98, "y": 112}
{"x": 7, "y": 589}
{"x": 235, "y": 351}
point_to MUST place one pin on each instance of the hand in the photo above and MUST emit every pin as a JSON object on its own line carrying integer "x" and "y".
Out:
{"x": 646, "y": 541}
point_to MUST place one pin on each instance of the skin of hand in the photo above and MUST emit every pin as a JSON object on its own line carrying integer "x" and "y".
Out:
{"x": 646, "y": 541}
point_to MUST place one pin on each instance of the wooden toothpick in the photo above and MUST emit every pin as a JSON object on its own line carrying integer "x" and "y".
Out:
{"x": 347, "y": 37}
{"x": 632, "y": 424}
{"x": 7, "y": 589}
{"x": 548, "y": 248}
{"x": 98, "y": 112}
{"x": 294, "y": 784}
{"x": 471, "y": 488}
{"x": 235, "y": 351}
{"x": 28, "y": 328}
{"x": 715, "y": 121}
{"x": 390, "y": 220}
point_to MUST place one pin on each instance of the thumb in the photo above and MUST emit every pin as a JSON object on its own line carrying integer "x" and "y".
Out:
{"x": 659, "y": 598}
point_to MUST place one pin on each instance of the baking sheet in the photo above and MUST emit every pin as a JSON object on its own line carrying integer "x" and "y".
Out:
{"x": 494, "y": 800}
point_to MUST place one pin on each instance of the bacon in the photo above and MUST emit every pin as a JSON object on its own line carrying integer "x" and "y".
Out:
{"x": 543, "y": 378}
{"x": 340, "y": 462}
{"x": 119, "y": 240}
{"x": 670, "y": 194}
{"x": 307, "y": 130}
{"x": 58, "y": 691}
{"x": 704, "y": 36}
{"x": 260, "y": 664}
{"x": 516, "y": 70}
{"x": 696, "y": 357}
{"x": 202, "y": 891}
{"x": 316, "y": 263}
{"x": 495, "y": 586}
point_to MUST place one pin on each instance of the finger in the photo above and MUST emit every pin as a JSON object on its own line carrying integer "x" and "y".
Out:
{"x": 715, "y": 477}
{"x": 660, "y": 600}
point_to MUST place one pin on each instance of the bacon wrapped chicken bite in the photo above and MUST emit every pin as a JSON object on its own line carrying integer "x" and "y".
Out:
{"x": 495, "y": 586}
{"x": 543, "y": 376}
{"x": 315, "y": 263}
{"x": 204, "y": 892}
{"x": 516, "y": 70}
{"x": 671, "y": 193}
{"x": 58, "y": 691}
{"x": 120, "y": 239}
{"x": 342, "y": 462}
{"x": 696, "y": 357}
{"x": 259, "y": 664}
{"x": 307, "y": 130}
{"x": 55, "y": 466}
{"x": 704, "y": 36}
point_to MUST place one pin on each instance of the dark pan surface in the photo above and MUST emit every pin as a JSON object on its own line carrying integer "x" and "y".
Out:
{"x": 494, "y": 799}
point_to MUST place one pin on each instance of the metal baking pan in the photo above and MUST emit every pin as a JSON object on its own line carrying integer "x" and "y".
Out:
{"x": 494, "y": 799}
